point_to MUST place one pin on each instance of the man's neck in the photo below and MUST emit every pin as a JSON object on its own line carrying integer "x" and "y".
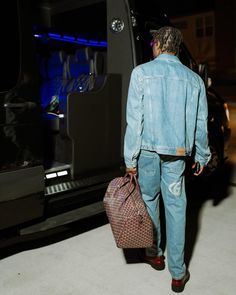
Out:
{"x": 168, "y": 52}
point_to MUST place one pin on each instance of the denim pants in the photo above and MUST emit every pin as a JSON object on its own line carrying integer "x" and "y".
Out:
{"x": 162, "y": 175}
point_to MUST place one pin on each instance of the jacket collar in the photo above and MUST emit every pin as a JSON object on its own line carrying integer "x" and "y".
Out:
{"x": 168, "y": 57}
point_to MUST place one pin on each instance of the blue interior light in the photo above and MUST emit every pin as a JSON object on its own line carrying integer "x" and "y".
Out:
{"x": 52, "y": 35}
{"x": 103, "y": 43}
{"x": 93, "y": 42}
{"x": 38, "y": 36}
{"x": 71, "y": 39}
{"x": 82, "y": 40}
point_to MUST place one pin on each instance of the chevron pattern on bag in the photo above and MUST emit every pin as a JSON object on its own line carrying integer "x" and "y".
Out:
{"x": 130, "y": 222}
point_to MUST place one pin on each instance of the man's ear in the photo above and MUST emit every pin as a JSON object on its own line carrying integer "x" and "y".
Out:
{"x": 158, "y": 44}
{"x": 156, "y": 49}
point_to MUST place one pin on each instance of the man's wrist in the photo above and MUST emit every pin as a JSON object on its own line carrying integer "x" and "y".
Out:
{"x": 131, "y": 169}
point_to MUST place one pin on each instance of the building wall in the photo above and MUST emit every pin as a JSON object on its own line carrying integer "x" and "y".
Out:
{"x": 199, "y": 35}
{"x": 225, "y": 35}
{"x": 211, "y": 35}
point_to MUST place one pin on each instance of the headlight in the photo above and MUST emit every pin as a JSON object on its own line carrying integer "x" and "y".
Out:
{"x": 226, "y": 111}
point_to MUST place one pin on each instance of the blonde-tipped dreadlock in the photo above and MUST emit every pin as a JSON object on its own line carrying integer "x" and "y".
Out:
{"x": 170, "y": 39}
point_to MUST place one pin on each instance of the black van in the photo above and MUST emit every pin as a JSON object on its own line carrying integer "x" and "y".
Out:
{"x": 66, "y": 67}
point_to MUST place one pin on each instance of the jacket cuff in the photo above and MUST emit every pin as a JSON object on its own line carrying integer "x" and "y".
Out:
{"x": 132, "y": 164}
{"x": 202, "y": 162}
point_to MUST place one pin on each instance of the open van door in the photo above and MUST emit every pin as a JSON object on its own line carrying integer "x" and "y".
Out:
{"x": 21, "y": 171}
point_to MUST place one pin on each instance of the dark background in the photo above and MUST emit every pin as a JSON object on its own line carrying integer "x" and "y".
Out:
{"x": 173, "y": 8}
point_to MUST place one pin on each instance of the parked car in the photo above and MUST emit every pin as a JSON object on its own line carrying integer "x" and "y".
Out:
{"x": 219, "y": 130}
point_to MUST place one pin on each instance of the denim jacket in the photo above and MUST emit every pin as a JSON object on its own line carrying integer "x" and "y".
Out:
{"x": 166, "y": 111}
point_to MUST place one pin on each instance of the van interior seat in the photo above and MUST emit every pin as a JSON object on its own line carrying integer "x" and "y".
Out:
{"x": 99, "y": 63}
{"x": 80, "y": 68}
{"x": 56, "y": 65}
{"x": 100, "y": 70}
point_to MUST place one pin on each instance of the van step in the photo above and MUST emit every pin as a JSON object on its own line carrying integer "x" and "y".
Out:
{"x": 65, "y": 218}
{"x": 81, "y": 183}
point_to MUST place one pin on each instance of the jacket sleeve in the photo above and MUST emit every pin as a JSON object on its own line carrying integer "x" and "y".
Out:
{"x": 203, "y": 153}
{"x": 134, "y": 119}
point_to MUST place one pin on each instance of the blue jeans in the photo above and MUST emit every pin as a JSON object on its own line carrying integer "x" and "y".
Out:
{"x": 164, "y": 175}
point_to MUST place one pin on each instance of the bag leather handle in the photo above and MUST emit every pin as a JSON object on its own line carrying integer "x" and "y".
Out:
{"x": 133, "y": 179}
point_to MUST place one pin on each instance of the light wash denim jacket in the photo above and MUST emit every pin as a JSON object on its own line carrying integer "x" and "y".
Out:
{"x": 166, "y": 111}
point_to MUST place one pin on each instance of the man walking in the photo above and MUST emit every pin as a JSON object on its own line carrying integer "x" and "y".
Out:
{"x": 166, "y": 120}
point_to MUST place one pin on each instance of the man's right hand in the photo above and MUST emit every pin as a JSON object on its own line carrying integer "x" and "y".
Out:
{"x": 198, "y": 169}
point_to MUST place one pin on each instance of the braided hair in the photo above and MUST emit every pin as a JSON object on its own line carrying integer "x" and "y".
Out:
{"x": 170, "y": 39}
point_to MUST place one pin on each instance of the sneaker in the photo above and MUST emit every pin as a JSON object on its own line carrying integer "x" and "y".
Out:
{"x": 157, "y": 262}
{"x": 178, "y": 285}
